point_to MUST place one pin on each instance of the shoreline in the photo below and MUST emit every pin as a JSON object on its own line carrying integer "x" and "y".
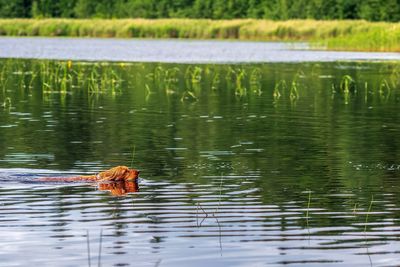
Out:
{"x": 335, "y": 35}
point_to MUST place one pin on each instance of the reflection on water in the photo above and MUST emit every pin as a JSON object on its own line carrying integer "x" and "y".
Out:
{"x": 241, "y": 165}
{"x": 120, "y": 188}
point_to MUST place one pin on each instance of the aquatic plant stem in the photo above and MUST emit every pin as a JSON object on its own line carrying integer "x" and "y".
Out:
{"x": 212, "y": 215}
{"x": 133, "y": 155}
{"x": 88, "y": 247}
{"x": 100, "y": 244}
{"x": 365, "y": 229}
{"x": 220, "y": 194}
{"x": 307, "y": 213}
{"x": 308, "y": 205}
{"x": 355, "y": 208}
{"x": 367, "y": 216}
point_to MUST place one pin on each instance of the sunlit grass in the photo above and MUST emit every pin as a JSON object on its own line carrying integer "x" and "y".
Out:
{"x": 335, "y": 34}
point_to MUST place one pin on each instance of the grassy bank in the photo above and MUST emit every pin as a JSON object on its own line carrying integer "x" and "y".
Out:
{"x": 335, "y": 35}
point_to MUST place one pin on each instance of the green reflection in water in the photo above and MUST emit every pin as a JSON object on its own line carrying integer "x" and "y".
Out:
{"x": 283, "y": 150}
{"x": 298, "y": 126}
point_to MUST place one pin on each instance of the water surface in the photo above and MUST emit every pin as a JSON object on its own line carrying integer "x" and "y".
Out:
{"x": 241, "y": 165}
{"x": 175, "y": 51}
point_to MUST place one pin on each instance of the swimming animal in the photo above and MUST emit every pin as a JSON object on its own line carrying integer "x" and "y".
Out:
{"x": 116, "y": 174}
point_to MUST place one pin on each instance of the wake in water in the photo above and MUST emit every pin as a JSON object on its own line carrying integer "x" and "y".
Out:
{"x": 24, "y": 175}
{"x": 34, "y": 176}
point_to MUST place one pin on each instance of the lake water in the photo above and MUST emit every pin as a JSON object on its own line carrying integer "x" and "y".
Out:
{"x": 173, "y": 51}
{"x": 241, "y": 165}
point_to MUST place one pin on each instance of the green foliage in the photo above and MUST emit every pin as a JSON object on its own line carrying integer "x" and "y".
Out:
{"x": 336, "y": 34}
{"x": 374, "y": 10}
{"x": 15, "y": 8}
{"x": 84, "y": 8}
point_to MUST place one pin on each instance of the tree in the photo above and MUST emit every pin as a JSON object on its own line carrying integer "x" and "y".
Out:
{"x": 202, "y": 9}
{"x": 84, "y": 9}
{"x": 390, "y": 11}
{"x": 220, "y": 10}
{"x": 375, "y": 10}
{"x": 15, "y": 8}
{"x": 65, "y": 8}
{"x": 370, "y": 10}
{"x": 103, "y": 9}
{"x": 255, "y": 9}
{"x": 44, "y": 9}
{"x": 348, "y": 9}
{"x": 276, "y": 10}
{"x": 180, "y": 8}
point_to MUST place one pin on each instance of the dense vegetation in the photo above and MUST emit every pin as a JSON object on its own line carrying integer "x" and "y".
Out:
{"x": 373, "y": 10}
{"x": 336, "y": 35}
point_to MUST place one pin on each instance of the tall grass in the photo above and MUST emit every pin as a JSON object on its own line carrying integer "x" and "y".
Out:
{"x": 191, "y": 82}
{"x": 335, "y": 34}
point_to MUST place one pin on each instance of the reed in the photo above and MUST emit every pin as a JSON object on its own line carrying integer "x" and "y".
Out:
{"x": 240, "y": 75}
{"x": 100, "y": 246}
{"x": 213, "y": 214}
{"x": 367, "y": 215}
{"x": 347, "y": 86}
{"x": 334, "y": 34}
{"x": 133, "y": 156}
{"x": 279, "y": 85}
{"x": 63, "y": 77}
{"x": 7, "y": 103}
{"x": 216, "y": 80}
{"x": 308, "y": 206}
{"x": 255, "y": 81}
{"x": 365, "y": 228}
{"x": 188, "y": 96}
{"x": 384, "y": 89}
{"x": 89, "y": 257}
{"x": 189, "y": 82}
{"x": 88, "y": 248}
{"x": 294, "y": 93}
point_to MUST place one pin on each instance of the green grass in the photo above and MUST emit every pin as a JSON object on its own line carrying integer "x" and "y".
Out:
{"x": 335, "y": 35}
